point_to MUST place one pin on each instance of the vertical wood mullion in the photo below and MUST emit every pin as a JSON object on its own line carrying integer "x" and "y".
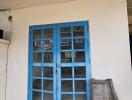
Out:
{"x": 30, "y": 64}
{"x": 73, "y": 81}
{"x": 42, "y": 65}
{"x": 58, "y": 63}
{"x": 87, "y": 58}
{"x": 54, "y": 61}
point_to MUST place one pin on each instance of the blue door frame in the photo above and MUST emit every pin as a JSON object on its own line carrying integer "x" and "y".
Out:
{"x": 57, "y": 65}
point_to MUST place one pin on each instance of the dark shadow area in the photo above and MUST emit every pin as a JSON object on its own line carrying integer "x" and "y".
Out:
{"x": 130, "y": 39}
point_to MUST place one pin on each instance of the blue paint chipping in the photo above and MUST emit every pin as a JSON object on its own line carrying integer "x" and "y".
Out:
{"x": 57, "y": 64}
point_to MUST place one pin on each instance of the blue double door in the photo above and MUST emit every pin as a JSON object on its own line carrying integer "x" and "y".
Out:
{"x": 59, "y": 66}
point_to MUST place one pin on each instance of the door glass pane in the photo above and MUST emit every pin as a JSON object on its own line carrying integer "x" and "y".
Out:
{"x": 80, "y": 72}
{"x": 37, "y": 45}
{"x": 66, "y": 44}
{"x": 48, "y": 85}
{"x": 65, "y": 32}
{"x": 66, "y": 72}
{"x": 37, "y": 84}
{"x": 79, "y": 56}
{"x": 80, "y": 86}
{"x": 81, "y": 97}
{"x": 36, "y": 95}
{"x": 78, "y": 31}
{"x": 37, "y": 71}
{"x": 37, "y": 34}
{"x": 79, "y": 43}
{"x": 66, "y": 86}
{"x": 48, "y": 72}
{"x": 48, "y": 44}
{"x": 66, "y": 57}
{"x": 67, "y": 97}
{"x": 48, "y": 33}
{"x": 48, "y": 57}
{"x": 48, "y": 96}
{"x": 37, "y": 57}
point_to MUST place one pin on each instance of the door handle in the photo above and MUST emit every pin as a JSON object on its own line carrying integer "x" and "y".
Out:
{"x": 57, "y": 65}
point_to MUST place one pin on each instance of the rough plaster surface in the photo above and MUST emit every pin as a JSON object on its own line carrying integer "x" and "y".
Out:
{"x": 3, "y": 61}
{"x": 110, "y": 54}
{"x": 5, "y": 24}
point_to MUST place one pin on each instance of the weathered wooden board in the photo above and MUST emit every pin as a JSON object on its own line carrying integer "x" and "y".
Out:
{"x": 103, "y": 90}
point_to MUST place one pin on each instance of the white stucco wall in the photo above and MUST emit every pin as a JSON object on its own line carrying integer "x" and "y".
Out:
{"x": 110, "y": 55}
{"x": 5, "y": 24}
{"x": 3, "y": 62}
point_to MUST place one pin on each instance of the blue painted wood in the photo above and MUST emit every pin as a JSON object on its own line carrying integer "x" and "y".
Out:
{"x": 55, "y": 59}
{"x": 87, "y": 54}
{"x": 57, "y": 65}
{"x": 36, "y": 90}
{"x": 72, "y": 64}
{"x": 51, "y": 92}
{"x": 73, "y": 83}
{"x": 42, "y": 74}
{"x": 74, "y": 93}
{"x": 73, "y": 80}
{"x": 30, "y": 67}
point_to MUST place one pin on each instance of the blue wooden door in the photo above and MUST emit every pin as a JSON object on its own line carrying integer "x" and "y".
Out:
{"x": 59, "y": 66}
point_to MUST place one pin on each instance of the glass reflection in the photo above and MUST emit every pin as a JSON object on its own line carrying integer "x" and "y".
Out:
{"x": 79, "y": 43}
{"x": 79, "y": 56}
{"x": 48, "y": 85}
{"x": 66, "y": 57}
{"x": 78, "y": 31}
{"x": 36, "y": 95}
{"x": 37, "y": 71}
{"x": 80, "y": 72}
{"x": 48, "y": 33}
{"x": 80, "y": 86}
{"x": 66, "y": 44}
{"x": 48, "y": 72}
{"x": 37, "y": 84}
{"x": 37, "y": 34}
{"x": 80, "y": 97}
{"x": 37, "y": 57}
{"x": 66, "y": 72}
{"x": 37, "y": 45}
{"x": 48, "y": 96}
{"x": 67, "y": 97}
{"x": 66, "y": 86}
{"x": 65, "y": 32}
{"x": 48, "y": 44}
{"x": 48, "y": 57}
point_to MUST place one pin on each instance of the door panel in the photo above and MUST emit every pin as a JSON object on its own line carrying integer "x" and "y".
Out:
{"x": 59, "y": 62}
{"x": 43, "y": 63}
{"x": 72, "y": 62}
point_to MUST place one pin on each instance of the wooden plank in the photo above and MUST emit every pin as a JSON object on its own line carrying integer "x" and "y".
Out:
{"x": 103, "y": 90}
{"x": 114, "y": 95}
